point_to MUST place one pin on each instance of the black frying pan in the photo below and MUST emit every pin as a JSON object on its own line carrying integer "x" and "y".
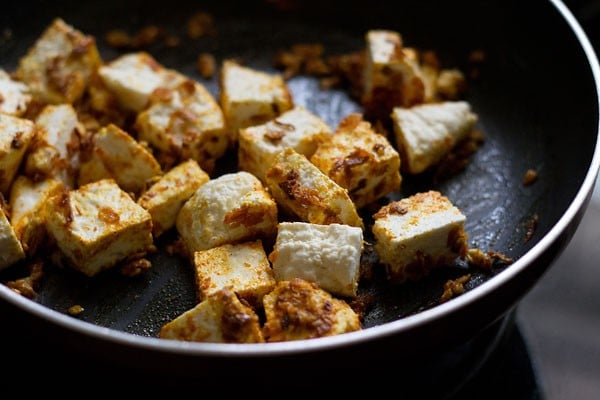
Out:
{"x": 537, "y": 99}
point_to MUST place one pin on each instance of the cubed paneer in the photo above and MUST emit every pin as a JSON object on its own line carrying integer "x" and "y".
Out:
{"x": 165, "y": 197}
{"x": 221, "y": 318}
{"x": 299, "y": 309}
{"x": 58, "y": 66}
{"x": 14, "y": 95}
{"x": 113, "y": 153}
{"x": 250, "y": 97}
{"x": 184, "y": 122}
{"x": 54, "y": 152}
{"x": 297, "y": 128}
{"x": 27, "y": 201}
{"x": 392, "y": 76}
{"x": 98, "y": 226}
{"x": 243, "y": 266}
{"x": 360, "y": 160}
{"x": 303, "y": 190}
{"x": 16, "y": 135}
{"x": 232, "y": 208}
{"x": 132, "y": 78}
{"x": 328, "y": 255}
{"x": 12, "y": 251}
{"x": 418, "y": 233}
{"x": 426, "y": 133}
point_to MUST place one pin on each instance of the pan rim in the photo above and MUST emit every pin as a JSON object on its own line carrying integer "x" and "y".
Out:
{"x": 425, "y": 317}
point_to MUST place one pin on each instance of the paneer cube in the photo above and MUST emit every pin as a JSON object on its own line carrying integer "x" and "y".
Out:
{"x": 98, "y": 226}
{"x": 15, "y": 136}
{"x": 243, "y": 266}
{"x": 360, "y": 160}
{"x": 12, "y": 251}
{"x": 418, "y": 233}
{"x": 27, "y": 202}
{"x": 392, "y": 76}
{"x": 297, "y": 128}
{"x": 113, "y": 153}
{"x": 54, "y": 152}
{"x": 250, "y": 97}
{"x": 165, "y": 197}
{"x": 427, "y": 132}
{"x": 303, "y": 190}
{"x": 232, "y": 208}
{"x": 328, "y": 255}
{"x": 14, "y": 95}
{"x": 221, "y": 318}
{"x": 297, "y": 309}
{"x": 132, "y": 78}
{"x": 58, "y": 66}
{"x": 185, "y": 122}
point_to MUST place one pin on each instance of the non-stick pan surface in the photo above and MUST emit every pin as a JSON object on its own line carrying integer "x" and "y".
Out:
{"x": 536, "y": 97}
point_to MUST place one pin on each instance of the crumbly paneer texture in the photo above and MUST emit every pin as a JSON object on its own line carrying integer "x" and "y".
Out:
{"x": 16, "y": 135}
{"x": 14, "y": 95}
{"x": 328, "y": 255}
{"x": 298, "y": 309}
{"x": 12, "y": 251}
{"x": 418, "y": 233}
{"x": 221, "y": 318}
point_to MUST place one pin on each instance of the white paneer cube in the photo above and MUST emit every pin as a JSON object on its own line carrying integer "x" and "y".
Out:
{"x": 58, "y": 66}
{"x": 250, "y": 97}
{"x": 360, "y": 160}
{"x": 27, "y": 201}
{"x": 114, "y": 154}
{"x": 12, "y": 251}
{"x": 54, "y": 152}
{"x": 243, "y": 266}
{"x": 232, "y": 208}
{"x": 185, "y": 122}
{"x": 418, "y": 233}
{"x": 165, "y": 197}
{"x": 221, "y": 318}
{"x": 132, "y": 78}
{"x": 297, "y": 128}
{"x": 392, "y": 76}
{"x": 328, "y": 255}
{"x": 98, "y": 226}
{"x": 304, "y": 191}
{"x": 427, "y": 132}
{"x": 14, "y": 95}
{"x": 296, "y": 310}
{"x": 15, "y": 136}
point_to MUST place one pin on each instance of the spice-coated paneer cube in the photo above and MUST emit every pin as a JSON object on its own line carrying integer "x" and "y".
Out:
{"x": 297, "y": 128}
{"x": 14, "y": 95}
{"x": 243, "y": 266}
{"x": 360, "y": 160}
{"x": 418, "y": 233}
{"x": 232, "y": 208}
{"x": 328, "y": 255}
{"x": 98, "y": 226}
{"x": 12, "y": 251}
{"x": 221, "y": 318}
{"x": 250, "y": 97}
{"x": 165, "y": 197}
{"x": 426, "y": 133}
{"x": 302, "y": 189}
{"x": 184, "y": 122}
{"x": 58, "y": 66}
{"x": 293, "y": 308}
{"x": 16, "y": 135}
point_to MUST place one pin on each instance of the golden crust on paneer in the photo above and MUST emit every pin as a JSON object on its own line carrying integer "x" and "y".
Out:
{"x": 16, "y": 135}
{"x": 58, "y": 66}
{"x": 360, "y": 160}
{"x": 243, "y": 266}
{"x": 98, "y": 226}
{"x": 220, "y": 318}
{"x": 14, "y": 95}
{"x": 418, "y": 233}
{"x": 302, "y": 189}
{"x": 12, "y": 251}
{"x": 298, "y": 309}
